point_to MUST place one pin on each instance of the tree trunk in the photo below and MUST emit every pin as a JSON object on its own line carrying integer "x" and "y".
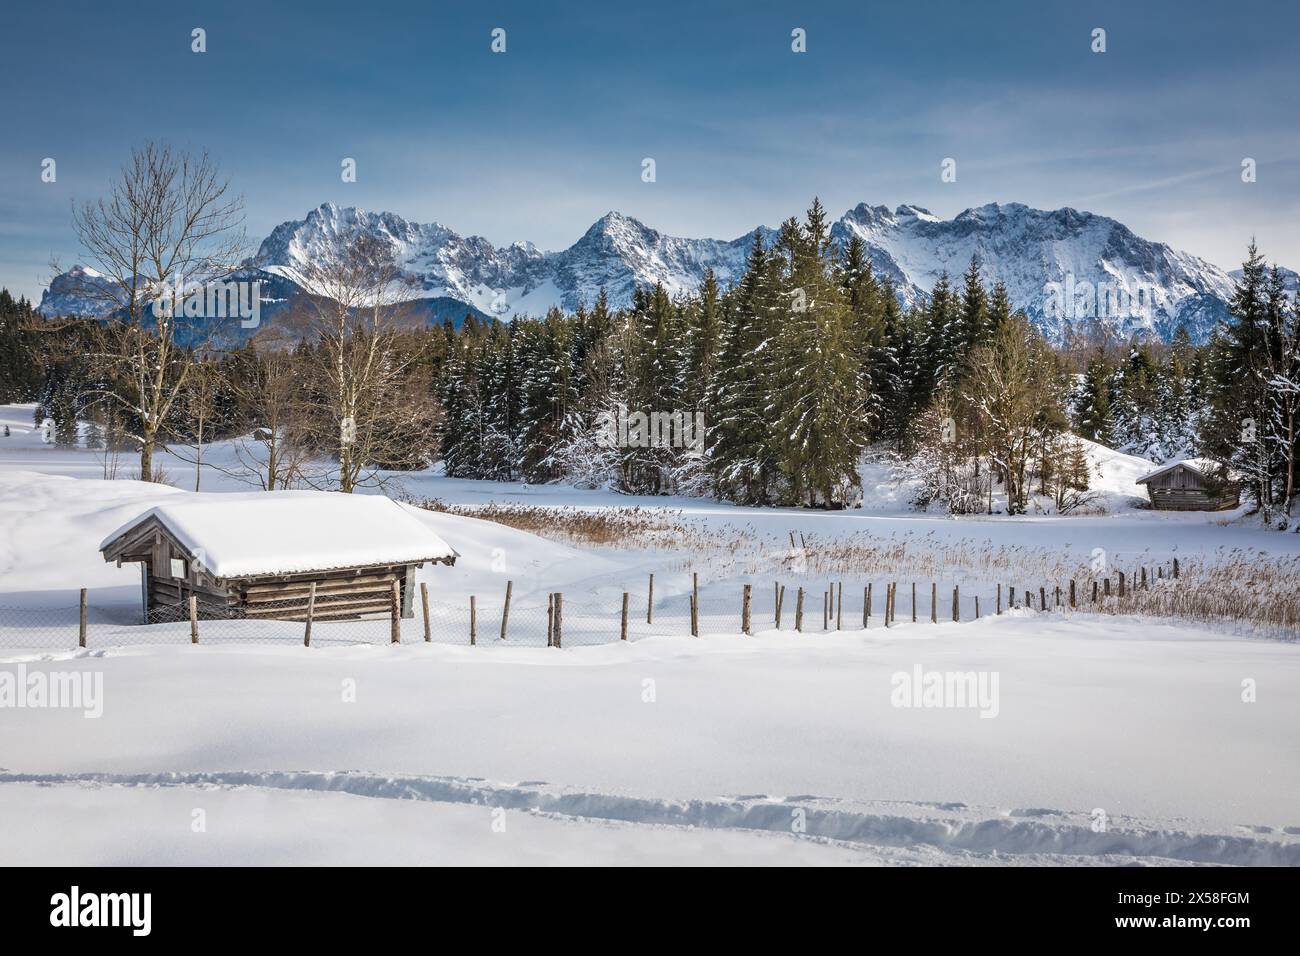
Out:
{"x": 147, "y": 440}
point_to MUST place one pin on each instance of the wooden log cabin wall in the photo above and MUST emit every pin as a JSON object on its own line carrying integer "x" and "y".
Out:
{"x": 1183, "y": 486}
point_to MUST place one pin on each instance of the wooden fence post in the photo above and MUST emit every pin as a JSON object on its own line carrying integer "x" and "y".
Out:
{"x": 1121, "y": 583}
{"x": 776, "y": 602}
{"x": 934, "y": 602}
{"x": 505, "y": 611}
{"x": 194, "y": 619}
{"x": 913, "y": 602}
{"x": 1072, "y": 604}
{"x": 999, "y": 599}
{"x": 395, "y": 612}
{"x": 1011, "y": 598}
{"x": 424, "y": 606}
{"x": 1042, "y": 598}
{"x": 559, "y": 617}
{"x": 473, "y": 622}
{"x": 623, "y": 632}
{"x": 839, "y": 607}
{"x": 81, "y": 628}
{"x": 1094, "y": 591}
{"x": 311, "y": 609}
{"x": 1144, "y": 577}
{"x": 780, "y": 604}
{"x": 550, "y": 619}
{"x": 1058, "y": 595}
{"x": 744, "y": 610}
{"x": 889, "y": 604}
{"x": 977, "y": 607}
{"x": 798, "y": 611}
{"x": 826, "y": 609}
{"x": 650, "y": 602}
{"x": 695, "y": 604}
{"x": 866, "y": 606}
{"x": 956, "y": 603}
{"x": 1106, "y": 587}
{"x": 1175, "y": 567}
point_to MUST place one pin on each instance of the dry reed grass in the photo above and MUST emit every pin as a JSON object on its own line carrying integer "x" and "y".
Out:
{"x": 1250, "y": 591}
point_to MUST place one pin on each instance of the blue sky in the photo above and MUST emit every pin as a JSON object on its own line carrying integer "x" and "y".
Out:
{"x": 537, "y": 143}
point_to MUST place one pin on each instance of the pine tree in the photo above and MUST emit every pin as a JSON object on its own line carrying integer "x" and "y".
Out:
{"x": 18, "y": 370}
{"x": 740, "y": 455}
{"x": 818, "y": 403}
{"x": 999, "y": 308}
{"x": 1092, "y": 410}
{"x": 549, "y": 400}
{"x": 1137, "y": 403}
{"x": 460, "y": 439}
{"x": 939, "y": 344}
{"x": 867, "y": 335}
{"x": 974, "y": 326}
{"x": 703, "y": 335}
{"x": 1236, "y": 433}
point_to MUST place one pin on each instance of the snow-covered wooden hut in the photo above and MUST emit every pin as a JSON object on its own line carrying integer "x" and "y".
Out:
{"x": 257, "y": 555}
{"x": 1193, "y": 484}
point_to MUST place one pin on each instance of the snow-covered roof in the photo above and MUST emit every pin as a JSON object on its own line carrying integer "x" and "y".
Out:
{"x": 289, "y": 532}
{"x": 1202, "y": 466}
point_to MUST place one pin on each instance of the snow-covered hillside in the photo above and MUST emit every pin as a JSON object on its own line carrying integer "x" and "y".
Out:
{"x": 1157, "y": 288}
{"x": 1112, "y": 485}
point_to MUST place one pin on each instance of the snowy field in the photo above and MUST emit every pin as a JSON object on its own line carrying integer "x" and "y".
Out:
{"x": 1102, "y": 739}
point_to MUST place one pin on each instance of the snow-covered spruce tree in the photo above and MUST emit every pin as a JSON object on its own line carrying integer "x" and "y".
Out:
{"x": 974, "y": 326}
{"x": 461, "y": 399}
{"x": 818, "y": 406}
{"x": 1175, "y": 413}
{"x": 866, "y": 331}
{"x": 739, "y": 437}
{"x": 1135, "y": 431}
{"x": 1243, "y": 427}
{"x": 588, "y": 456}
{"x": 498, "y": 403}
{"x": 1091, "y": 409}
{"x": 1000, "y": 309}
{"x": 657, "y": 355}
{"x": 703, "y": 332}
{"x": 548, "y": 397}
{"x": 18, "y": 367}
{"x": 937, "y": 352}
{"x": 895, "y": 372}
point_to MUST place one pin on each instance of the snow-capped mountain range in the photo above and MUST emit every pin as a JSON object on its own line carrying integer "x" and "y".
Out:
{"x": 1050, "y": 262}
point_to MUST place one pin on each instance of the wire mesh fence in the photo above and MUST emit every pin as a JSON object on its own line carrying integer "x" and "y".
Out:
{"x": 576, "y": 620}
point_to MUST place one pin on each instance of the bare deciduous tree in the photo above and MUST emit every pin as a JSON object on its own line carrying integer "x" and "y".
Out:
{"x": 168, "y": 223}
{"x": 1013, "y": 384}
{"x": 370, "y": 414}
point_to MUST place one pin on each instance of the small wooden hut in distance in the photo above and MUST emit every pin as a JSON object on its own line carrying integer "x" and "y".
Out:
{"x": 256, "y": 555}
{"x": 1194, "y": 484}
